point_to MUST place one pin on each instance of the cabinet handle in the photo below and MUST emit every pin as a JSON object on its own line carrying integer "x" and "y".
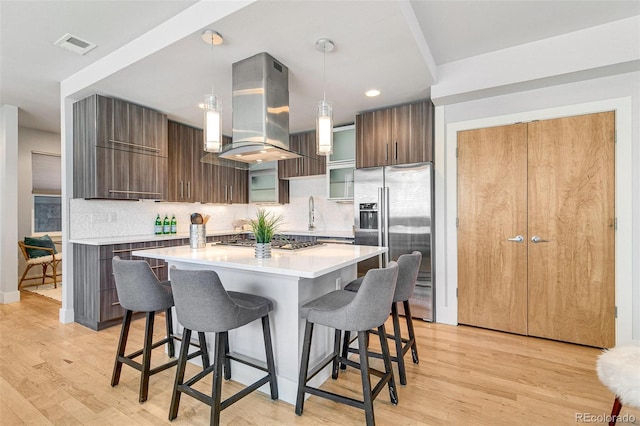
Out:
{"x": 116, "y": 191}
{"x": 181, "y": 189}
{"x": 189, "y": 189}
{"x": 135, "y": 145}
{"x": 122, "y": 251}
{"x": 396, "y": 151}
{"x": 225, "y": 192}
{"x": 386, "y": 153}
{"x": 230, "y": 194}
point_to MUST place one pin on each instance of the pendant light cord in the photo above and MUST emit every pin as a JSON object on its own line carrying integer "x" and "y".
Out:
{"x": 324, "y": 73}
{"x": 212, "y": 60}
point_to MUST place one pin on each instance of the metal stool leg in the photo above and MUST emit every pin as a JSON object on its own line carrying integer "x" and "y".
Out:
{"x": 182, "y": 365}
{"x": 397, "y": 338}
{"x": 227, "y": 361}
{"x": 122, "y": 343}
{"x": 146, "y": 357}
{"x": 171, "y": 348}
{"x": 345, "y": 348}
{"x": 204, "y": 352}
{"x": 366, "y": 382}
{"x": 336, "y": 354}
{"x": 271, "y": 363}
{"x": 217, "y": 377}
{"x": 384, "y": 345}
{"x": 615, "y": 411}
{"x": 412, "y": 335}
{"x": 304, "y": 367}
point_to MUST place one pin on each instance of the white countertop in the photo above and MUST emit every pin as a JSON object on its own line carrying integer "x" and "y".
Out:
{"x": 310, "y": 262}
{"x": 104, "y": 241}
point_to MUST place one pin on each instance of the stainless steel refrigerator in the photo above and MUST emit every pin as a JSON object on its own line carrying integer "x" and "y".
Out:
{"x": 394, "y": 209}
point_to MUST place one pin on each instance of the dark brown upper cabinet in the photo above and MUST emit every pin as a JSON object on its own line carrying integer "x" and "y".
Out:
{"x": 397, "y": 135}
{"x": 120, "y": 150}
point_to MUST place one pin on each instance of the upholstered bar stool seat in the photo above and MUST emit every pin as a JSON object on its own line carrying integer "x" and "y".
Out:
{"x": 619, "y": 370}
{"x": 139, "y": 290}
{"x": 203, "y": 305}
{"x": 360, "y": 312}
{"x": 408, "y": 268}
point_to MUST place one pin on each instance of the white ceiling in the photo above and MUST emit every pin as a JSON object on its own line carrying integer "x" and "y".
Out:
{"x": 375, "y": 48}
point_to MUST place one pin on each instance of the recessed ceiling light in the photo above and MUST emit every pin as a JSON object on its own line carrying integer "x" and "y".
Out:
{"x": 259, "y": 160}
{"x": 373, "y": 92}
{"x": 74, "y": 44}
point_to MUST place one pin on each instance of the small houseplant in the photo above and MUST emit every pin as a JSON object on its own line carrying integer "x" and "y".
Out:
{"x": 264, "y": 227}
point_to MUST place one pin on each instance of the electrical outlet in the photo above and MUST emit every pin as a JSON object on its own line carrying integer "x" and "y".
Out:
{"x": 99, "y": 218}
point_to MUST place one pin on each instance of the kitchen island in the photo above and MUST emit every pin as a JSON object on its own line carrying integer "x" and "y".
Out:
{"x": 290, "y": 279}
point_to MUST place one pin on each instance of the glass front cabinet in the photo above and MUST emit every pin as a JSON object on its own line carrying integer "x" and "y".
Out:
{"x": 341, "y": 164}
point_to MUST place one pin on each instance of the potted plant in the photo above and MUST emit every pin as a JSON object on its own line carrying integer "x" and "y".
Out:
{"x": 264, "y": 227}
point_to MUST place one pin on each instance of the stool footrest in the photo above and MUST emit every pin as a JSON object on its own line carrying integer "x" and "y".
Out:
{"x": 246, "y": 360}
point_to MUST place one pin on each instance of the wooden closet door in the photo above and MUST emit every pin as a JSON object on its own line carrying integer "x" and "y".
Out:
{"x": 492, "y": 207}
{"x": 571, "y": 208}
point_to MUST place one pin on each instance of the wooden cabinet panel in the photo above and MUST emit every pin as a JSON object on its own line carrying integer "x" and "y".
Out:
{"x": 95, "y": 294}
{"x": 119, "y": 150}
{"x": 185, "y": 151}
{"x": 310, "y": 164}
{"x": 398, "y": 135}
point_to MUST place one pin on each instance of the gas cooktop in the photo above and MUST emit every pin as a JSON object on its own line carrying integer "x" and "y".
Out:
{"x": 275, "y": 244}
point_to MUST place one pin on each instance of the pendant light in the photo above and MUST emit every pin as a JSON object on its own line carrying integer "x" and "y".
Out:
{"x": 212, "y": 103}
{"x": 324, "y": 117}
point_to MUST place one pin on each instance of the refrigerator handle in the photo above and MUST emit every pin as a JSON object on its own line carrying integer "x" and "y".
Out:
{"x": 386, "y": 225}
{"x": 381, "y": 258}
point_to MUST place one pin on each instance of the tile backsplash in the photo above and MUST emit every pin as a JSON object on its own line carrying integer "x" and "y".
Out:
{"x": 112, "y": 218}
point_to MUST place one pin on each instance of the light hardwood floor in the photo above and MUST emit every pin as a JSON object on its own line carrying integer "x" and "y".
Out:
{"x": 51, "y": 373}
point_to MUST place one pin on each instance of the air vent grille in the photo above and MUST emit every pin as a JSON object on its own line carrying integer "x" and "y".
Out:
{"x": 74, "y": 44}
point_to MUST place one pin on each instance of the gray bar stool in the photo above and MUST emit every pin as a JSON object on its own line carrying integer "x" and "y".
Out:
{"x": 361, "y": 311}
{"x": 203, "y": 305}
{"x": 408, "y": 268}
{"x": 140, "y": 291}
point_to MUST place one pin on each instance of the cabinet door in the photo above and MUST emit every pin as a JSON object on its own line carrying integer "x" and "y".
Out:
{"x": 290, "y": 168}
{"x": 181, "y": 144}
{"x": 240, "y": 189}
{"x": 154, "y": 127}
{"x": 373, "y": 136}
{"x": 412, "y": 128}
{"x": 197, "y": 152}
{"x": 145, "y": 174}
{"x": 313, "y": 164}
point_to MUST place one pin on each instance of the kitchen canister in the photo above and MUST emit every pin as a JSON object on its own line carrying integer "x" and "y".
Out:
{"x": 198, "y": 236}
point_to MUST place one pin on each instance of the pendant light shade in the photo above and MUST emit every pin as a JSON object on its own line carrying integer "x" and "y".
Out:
{"x": 212, "y": 124}
{"x": 324, "y": 116}
{"x": 324, "y": 128}
{"x": 212, "y": 104}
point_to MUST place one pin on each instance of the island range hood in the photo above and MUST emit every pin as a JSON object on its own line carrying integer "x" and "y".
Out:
{"x": 260, "y": 111}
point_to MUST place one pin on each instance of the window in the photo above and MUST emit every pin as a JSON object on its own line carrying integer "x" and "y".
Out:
{"x": 46, "y": 190}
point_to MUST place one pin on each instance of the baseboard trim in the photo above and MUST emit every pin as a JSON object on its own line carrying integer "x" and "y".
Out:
{"x": 66, "y": 316}
{"x": 10, "y": 297}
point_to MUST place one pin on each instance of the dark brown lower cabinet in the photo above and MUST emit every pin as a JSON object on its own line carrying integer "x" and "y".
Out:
{"x": 95, "y": 298}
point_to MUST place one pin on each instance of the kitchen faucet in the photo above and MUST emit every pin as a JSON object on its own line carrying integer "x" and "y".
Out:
{"x": 311, "y": 214}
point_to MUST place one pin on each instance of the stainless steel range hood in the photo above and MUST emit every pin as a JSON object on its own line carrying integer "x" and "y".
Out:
{"x": 260, "y": 111}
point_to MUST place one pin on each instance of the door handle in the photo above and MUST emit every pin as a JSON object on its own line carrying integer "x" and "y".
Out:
{"x": 516, "y": 239}
{"x": 535, "y": 239}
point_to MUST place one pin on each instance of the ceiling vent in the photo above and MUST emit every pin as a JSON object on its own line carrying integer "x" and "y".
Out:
{"x": 74, "y": 44}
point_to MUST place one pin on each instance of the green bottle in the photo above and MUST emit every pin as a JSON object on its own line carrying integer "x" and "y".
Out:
{"x": 166, "y": 228}
{"x": 158, "y": 228}
{"x": 174, "y": 224}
